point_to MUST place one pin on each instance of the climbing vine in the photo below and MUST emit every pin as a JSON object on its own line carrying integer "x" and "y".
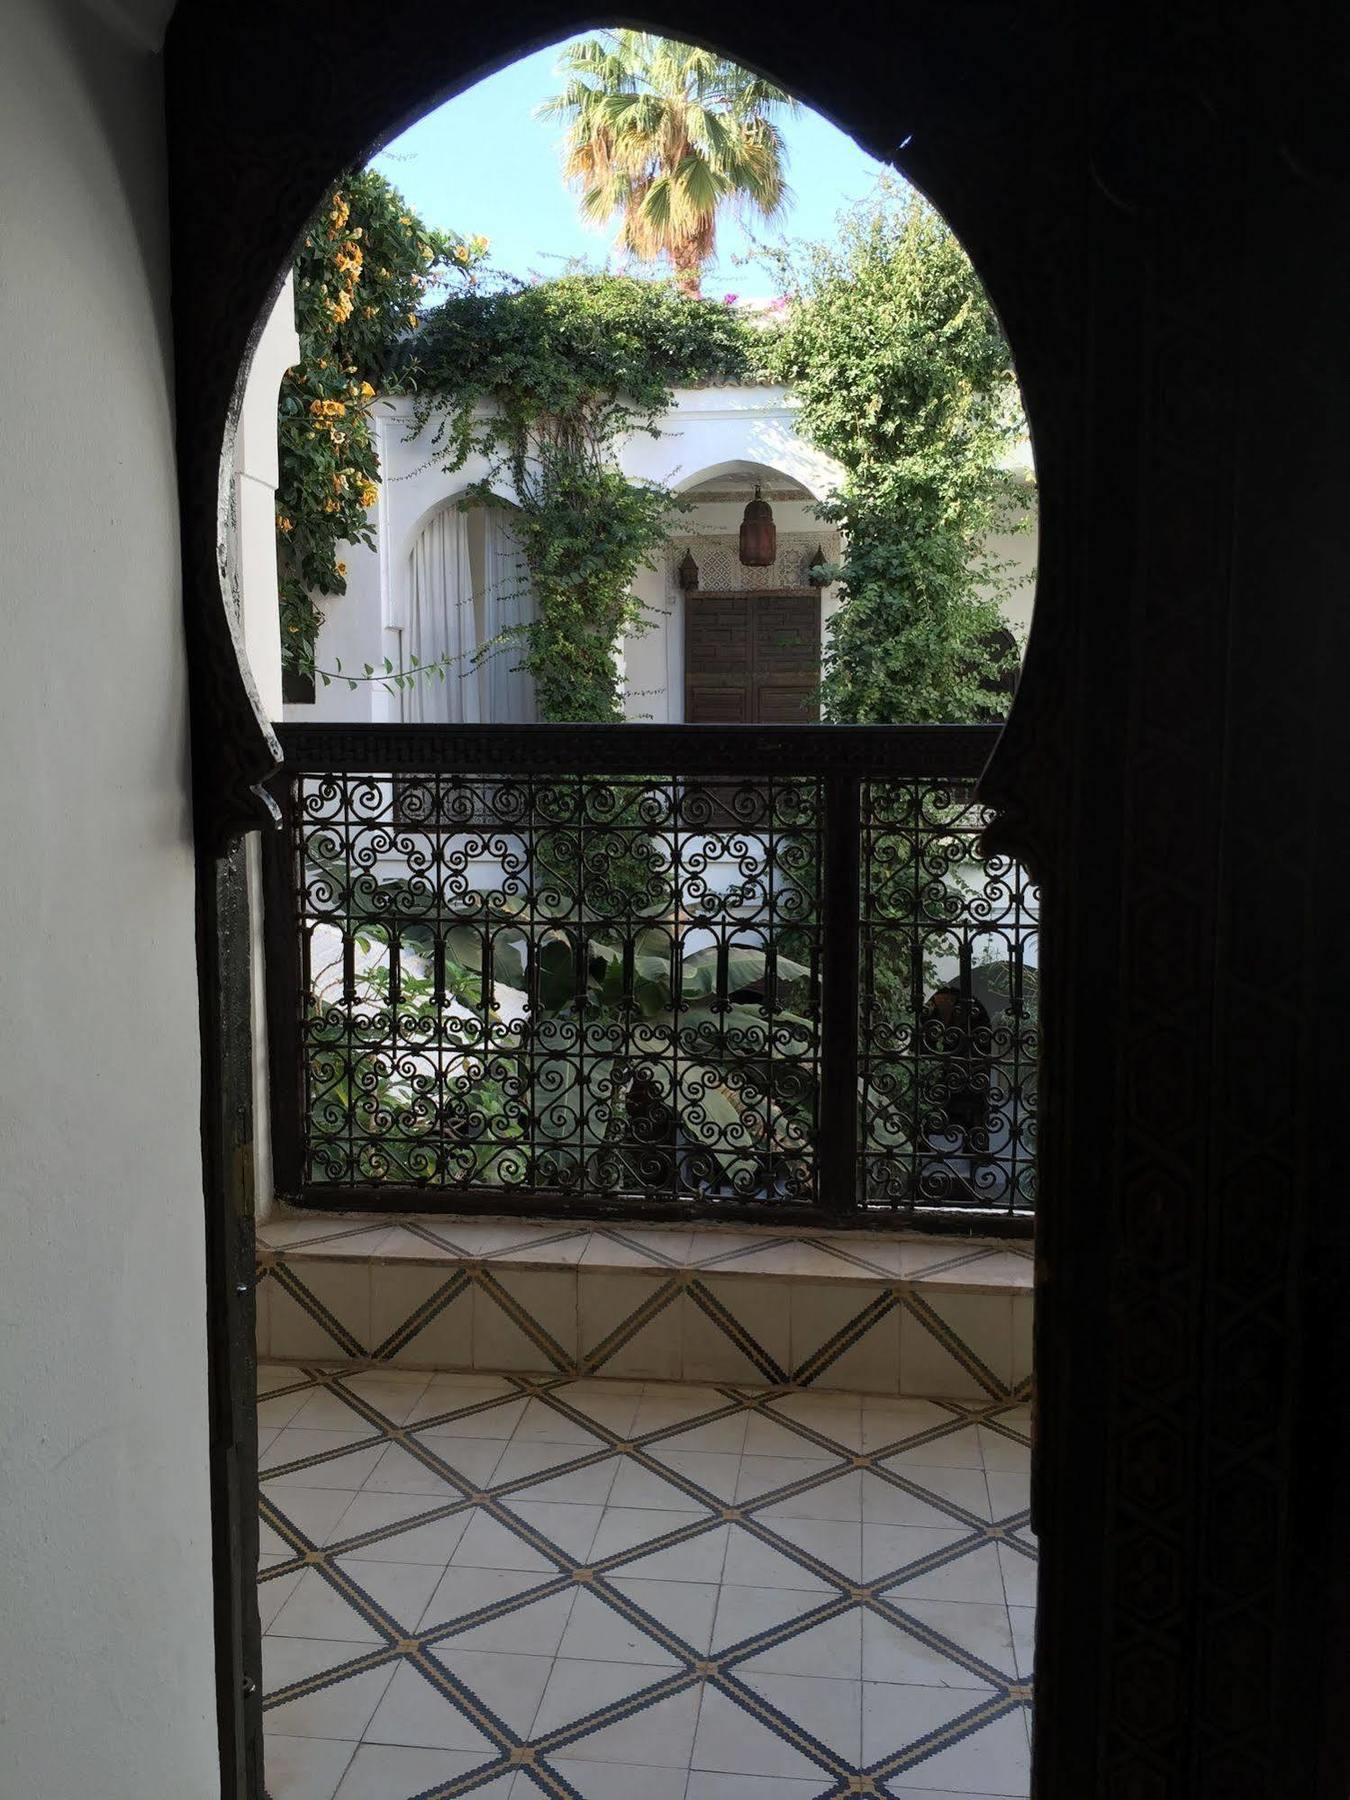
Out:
{"x": 904, "y": 377}
{"x": 362, "y": 278}
{"x": 545, "y": 380}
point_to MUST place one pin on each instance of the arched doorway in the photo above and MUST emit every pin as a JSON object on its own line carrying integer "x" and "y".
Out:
{"x": 1107, "y": 213}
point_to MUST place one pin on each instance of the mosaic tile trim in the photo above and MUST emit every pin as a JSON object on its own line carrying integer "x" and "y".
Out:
{"x": 957, "y": 1264}
{"x": 984, "y": 1692}
{"x": 488, "y": 1299}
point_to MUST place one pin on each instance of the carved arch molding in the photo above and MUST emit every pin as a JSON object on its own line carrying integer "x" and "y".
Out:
{"x": 1159, "y": 200}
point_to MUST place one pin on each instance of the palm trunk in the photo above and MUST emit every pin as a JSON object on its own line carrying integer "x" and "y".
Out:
{"x": 688, "y": 270}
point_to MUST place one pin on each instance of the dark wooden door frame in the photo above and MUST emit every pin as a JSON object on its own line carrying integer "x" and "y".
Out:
{"x": 1156, "y": 199}
{"x": 750, "y": 596}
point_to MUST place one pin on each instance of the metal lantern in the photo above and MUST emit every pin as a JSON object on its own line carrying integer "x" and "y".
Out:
{"x": 688, "y": 573}
{"x": 759, "y": 538}
{"x": 815, "y": 569}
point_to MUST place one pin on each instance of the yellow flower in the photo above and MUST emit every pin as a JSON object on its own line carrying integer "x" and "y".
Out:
{"x": 369, "y": 495}
{"x": 316, "y": 407}
{"x": 367, "y": 391}
{"x": 284, "y": 524}
{"x": 412, "y": 320}
{"x": 405, "y": 218}
{"x": 342, "y": 570}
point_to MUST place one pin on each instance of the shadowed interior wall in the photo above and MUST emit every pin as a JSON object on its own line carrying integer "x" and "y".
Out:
{"x": 107, "y": 1663}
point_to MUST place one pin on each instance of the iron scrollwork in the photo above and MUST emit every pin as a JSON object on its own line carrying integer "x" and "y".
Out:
{"x": 576, "y": 987}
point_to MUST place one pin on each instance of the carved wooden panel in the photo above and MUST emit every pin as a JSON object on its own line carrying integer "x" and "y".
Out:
{"x": 751, "y": 658}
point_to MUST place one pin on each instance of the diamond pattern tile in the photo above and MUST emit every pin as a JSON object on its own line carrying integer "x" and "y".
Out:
{"x": 839, "y": 1313}
{"x": 611, "y": 1590}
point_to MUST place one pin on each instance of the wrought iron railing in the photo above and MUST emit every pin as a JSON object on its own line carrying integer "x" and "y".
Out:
{"x": 749, "y": 972}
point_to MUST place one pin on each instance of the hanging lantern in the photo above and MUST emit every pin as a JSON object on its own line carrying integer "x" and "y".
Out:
{"x": 759, "y": 538}
{"x": 688, "y": 573}
{"x": 815, "y": 569}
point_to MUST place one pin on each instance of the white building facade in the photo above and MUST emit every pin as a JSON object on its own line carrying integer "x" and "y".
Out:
{"x": 719, "y": 642}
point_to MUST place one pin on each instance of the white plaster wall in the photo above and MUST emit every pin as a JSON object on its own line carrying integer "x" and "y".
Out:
{"x": 106, "y": 1652}
{"x": 709, "y": 431}
{"x": 255, "y": 489}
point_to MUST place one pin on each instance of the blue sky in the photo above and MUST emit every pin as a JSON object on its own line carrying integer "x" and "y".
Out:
{"x": 484, "y": 163}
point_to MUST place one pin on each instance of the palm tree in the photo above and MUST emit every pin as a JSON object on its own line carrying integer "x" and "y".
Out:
{"x": 665, "y": 134}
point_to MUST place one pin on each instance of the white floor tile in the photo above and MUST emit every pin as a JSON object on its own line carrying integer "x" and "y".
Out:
{"x": 341, "y": 1710}
{"x": 614, "y": 1781}
{"x": 992, "y": 1760}
{"x": 568, "y": 1528}
{"x": 890, "y": 1653}
{"x": 431, "y": 1543}
{"x": 747, "y": 1612}
{"x": 400, "y": 1472}
{"x": 752, "y": 1563}
{"x": 413, "y": 1711}
{"x": 509, "y": 1685}
{"x": 832, "y": 1648}
{"x": 315, "y": 1512}
{"x": 732, "y": 1741}
{"x": 533, "y": 1629}
{"x": 349, "y": 1469}
{"x": 300, "y": 1768}
{"x": 885, "y": 1503}
{"x": 488, "y": 1544}
{"x": 598, "y": 1633}
{"x": 973, "y": 1576}
{"x": 1023, "y": 1619}
{"x": 626, "y": 1529}
{"x": 317, "y": 1610}
{"x": 888, "y": 1548}
{"x": 838, "y": 1498}
{"x": 686, "y": 1608}
{"x": 830, "y": 1710}
{"x": 380, "y": 1771}
{"x": 1019, "y": 1576}
{"x": 661, "y": 1732}
{"x": 704, "y": 1785}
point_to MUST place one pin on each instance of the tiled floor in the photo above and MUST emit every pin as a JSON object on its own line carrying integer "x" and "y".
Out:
{"x": 522, "y": 1586}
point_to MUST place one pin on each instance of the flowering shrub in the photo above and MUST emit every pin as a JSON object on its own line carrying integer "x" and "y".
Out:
{"x": 361, "y": 280}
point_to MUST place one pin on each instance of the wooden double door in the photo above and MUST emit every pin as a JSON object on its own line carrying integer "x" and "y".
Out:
{"x": 752, "y": 658}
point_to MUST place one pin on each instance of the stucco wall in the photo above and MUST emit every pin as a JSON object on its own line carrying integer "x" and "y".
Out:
{"x": 106, "y": 1655}
{"x": 708, "y": 432}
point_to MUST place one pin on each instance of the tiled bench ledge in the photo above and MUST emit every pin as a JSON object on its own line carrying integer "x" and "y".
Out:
{"x": 867, "y": 1312}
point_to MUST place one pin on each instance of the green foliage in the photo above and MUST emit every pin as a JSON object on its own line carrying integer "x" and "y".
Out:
{"x": 544, "y": 381}
{"x": 664, "y": 135}
{"x": 361, "y": 277}
{"x": 904, "y": 377}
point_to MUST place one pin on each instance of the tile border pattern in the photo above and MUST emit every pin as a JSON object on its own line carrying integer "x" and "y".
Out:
{"x": 402, "y": 1643}
{"x": 964, "y": 1309}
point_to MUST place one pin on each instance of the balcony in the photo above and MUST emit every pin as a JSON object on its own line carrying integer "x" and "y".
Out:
{"x": 647, "y": 1342}
{"x": 753, "y": 973}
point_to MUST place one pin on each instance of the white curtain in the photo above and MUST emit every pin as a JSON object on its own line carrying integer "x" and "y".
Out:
{"x": 508, "y": 600}
{"x": 440, "y": 625}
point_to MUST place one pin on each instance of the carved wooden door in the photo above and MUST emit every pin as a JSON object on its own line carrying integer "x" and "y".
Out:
{"x": 752, "y": 658}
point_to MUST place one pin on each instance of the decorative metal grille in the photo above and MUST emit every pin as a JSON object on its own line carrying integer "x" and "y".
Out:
{"x": 514, "y": 966}
{"x": 949, "y": 1004}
